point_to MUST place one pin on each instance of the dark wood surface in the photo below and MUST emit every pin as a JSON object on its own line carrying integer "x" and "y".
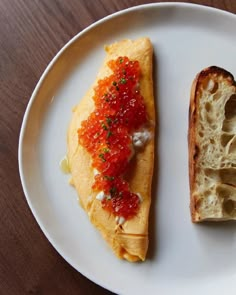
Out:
{"x": 31, "y": 33}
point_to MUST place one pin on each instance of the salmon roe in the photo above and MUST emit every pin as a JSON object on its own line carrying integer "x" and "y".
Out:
{"x": 106, "y": 134}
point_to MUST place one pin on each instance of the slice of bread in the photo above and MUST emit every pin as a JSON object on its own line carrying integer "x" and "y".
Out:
{"x": 128, "y": 240}
{"x": 212, "y": 146}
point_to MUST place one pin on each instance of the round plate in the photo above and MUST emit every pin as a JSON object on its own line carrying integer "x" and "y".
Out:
{"x": 183, "y": 258}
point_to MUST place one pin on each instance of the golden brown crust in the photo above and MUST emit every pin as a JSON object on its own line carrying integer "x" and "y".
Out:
{"x": 129, "y": 241}
{"x": 213, "y": 73}
{"x": 193, "y": 152}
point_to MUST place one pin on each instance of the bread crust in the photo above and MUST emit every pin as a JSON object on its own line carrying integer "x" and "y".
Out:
{"x": 213, "y": 73}
{"x": 130, "y": 240}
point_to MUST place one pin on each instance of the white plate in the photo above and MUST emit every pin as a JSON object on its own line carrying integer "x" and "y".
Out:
{"x": 183, "y": 258}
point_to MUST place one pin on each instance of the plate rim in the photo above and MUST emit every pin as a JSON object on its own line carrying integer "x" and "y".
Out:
{"x": 181, "y": 5}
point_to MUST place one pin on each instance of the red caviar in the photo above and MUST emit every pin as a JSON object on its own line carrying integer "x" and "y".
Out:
{"x": 106, "y": 134}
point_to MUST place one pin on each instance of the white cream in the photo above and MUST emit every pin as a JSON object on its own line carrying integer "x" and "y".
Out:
{"x": 100, "y": 196}
{"x": 140, "y": 138}
{"x": 140, "y": 197}
{"x": 120, "y": 220}
{"x": 95, "y": 172}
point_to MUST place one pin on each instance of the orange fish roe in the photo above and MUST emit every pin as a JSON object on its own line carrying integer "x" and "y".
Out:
{"x": 106, "y": 134}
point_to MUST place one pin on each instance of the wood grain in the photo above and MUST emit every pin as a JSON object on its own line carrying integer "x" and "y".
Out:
{"x": 31, "y": 33}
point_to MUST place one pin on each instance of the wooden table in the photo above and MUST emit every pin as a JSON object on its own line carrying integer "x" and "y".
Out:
{"x": 31, "y": 33}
